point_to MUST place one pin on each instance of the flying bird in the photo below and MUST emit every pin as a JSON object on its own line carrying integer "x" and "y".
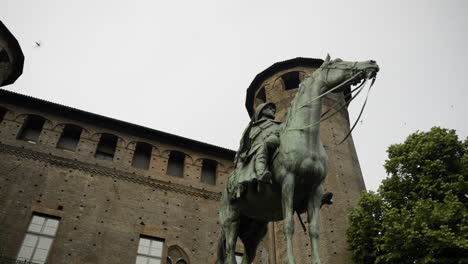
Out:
{"x": 38, "y": 43}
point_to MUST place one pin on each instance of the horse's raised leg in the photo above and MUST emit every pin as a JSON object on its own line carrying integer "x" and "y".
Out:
{"x": 287, "y": 195}
{"x": 229, "y": 220}
{"x": 313, "y": 216}
{"x": 252, "y": 234}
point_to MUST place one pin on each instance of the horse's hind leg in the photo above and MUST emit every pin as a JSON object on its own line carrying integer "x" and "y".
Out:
{"x": 313, "y": 216}
{"x": 287, "y": 195}
{"x": 252, "y": 233}
{"x": 229, "y": 220}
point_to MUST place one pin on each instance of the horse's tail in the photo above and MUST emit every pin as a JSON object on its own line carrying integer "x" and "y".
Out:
{"x": 221, "y": 247}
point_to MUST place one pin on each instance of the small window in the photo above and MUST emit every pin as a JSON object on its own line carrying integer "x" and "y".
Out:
{"x": 208, "y": 174}
{"x": 142, "y": 156}
{"x": 291, "y": 80}
{"x": 70, "y": 137}
{"x": 38, "y": 240}
{"x": 175, "y": 166}
{"x": 149, "y": 250}
{"x": 106, "y": 147}
{"x": 31, "y": 128}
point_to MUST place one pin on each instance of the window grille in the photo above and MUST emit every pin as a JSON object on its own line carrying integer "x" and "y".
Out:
{"x": 149, "y": 251}
{"x": 38, "y": 239}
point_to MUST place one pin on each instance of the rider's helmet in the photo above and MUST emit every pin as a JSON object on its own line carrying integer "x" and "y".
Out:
{"x": 260, "y": 108}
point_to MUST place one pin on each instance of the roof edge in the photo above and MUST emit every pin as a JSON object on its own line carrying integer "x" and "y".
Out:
{"x": 115, "y": 124}
{"x": 276, "y": 67}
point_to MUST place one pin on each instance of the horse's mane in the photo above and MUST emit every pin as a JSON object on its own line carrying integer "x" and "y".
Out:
{"x": 293, "y": 103}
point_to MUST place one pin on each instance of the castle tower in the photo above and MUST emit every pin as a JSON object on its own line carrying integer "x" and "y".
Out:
{"x": 278, "y": 84}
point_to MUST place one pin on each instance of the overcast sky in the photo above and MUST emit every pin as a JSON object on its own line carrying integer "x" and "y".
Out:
{"x": 183, "y": 66}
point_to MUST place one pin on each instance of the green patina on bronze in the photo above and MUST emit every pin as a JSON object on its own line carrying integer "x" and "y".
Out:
{"x": 280, "y": 168}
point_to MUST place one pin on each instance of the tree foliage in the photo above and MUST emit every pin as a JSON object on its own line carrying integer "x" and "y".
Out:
{"x": 420, "y": 212}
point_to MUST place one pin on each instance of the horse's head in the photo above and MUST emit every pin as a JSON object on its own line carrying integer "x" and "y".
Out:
{"x": 338, "y": 72}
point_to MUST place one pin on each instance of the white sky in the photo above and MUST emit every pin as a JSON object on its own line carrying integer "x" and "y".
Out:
{"x": 183, "y": 66}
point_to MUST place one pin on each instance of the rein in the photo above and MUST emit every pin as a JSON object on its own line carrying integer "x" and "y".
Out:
{"x": 345, "y": 82}
{"x": 324, "y": 117}
{"x": 359, "y": 116}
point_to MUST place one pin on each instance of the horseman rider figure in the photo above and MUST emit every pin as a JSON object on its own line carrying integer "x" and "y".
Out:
{"x": 259, "y": 141}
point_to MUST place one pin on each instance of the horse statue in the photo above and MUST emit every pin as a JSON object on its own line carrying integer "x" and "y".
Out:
{"x": 298, "y": 166}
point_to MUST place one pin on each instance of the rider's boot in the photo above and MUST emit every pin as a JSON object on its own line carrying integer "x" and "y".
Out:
{"x": 263, "y": 174}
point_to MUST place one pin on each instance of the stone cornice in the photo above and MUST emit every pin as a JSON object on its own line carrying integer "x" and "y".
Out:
{"x": 113, "y": 173}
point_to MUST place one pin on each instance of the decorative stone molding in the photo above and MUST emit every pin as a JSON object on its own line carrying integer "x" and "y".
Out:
{"x": 113, "y": 173}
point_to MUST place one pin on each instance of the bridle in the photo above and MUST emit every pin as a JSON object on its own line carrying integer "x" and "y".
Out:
{"x": 336, "y": 66}
{"x": 355, "y": 73}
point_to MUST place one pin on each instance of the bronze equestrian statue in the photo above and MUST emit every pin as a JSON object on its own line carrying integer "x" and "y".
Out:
{"x": 280, "y": 168}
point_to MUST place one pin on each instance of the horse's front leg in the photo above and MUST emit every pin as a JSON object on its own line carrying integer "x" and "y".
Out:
{"x": 287, "y": 195}
{"x": 313, "y": 216}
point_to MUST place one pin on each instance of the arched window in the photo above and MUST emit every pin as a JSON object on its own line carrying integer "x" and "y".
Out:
{"x": 70, "y": 137}
{"x": 176, "y": 255}
{"x": 261, "y": 95}
{"x": 175, "y": 165}
{"x": 291, "y": 80}
{"x": 208, "y": 174}
{"x": 106, "y": 147}
{"x": 32, "y": 128}
{"x": 142, "y": 155}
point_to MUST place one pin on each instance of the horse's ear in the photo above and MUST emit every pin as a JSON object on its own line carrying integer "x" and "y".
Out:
{"x": 326, "y": 61}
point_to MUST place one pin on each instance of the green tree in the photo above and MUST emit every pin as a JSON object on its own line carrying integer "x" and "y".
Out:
{"x": 420, "y": 212}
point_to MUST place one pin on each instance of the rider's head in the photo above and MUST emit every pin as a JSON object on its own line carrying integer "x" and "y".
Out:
{"x": 267, "y": 110}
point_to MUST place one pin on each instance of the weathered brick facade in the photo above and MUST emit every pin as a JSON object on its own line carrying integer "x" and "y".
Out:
{"x": 105, "y": 206}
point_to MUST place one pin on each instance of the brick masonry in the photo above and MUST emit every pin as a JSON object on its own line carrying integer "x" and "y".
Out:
{"x": 104, "y": 206}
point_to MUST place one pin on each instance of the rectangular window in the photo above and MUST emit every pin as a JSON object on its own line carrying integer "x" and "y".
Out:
{"x": 142, "y": 156}
{"x": 70, "y": 137}
{"x": 175, "y": 166}
{"x": 31, "y": 128}
{"x": 106, "y": 147}
{"x": 38, "y": 239}
{"x": 149, "y": 251}
{"x": 208, "y": 174}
